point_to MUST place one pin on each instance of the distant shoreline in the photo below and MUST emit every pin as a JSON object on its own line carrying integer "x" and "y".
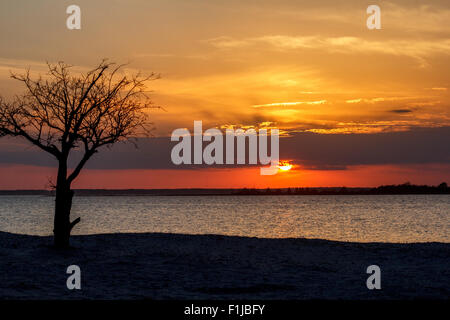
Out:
{"x": 402, "y": 189}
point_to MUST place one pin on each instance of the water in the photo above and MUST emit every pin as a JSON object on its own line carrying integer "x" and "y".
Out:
{"x": 385, "y": 218}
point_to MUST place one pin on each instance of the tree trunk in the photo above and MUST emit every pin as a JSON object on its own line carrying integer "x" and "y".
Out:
{"x": 63, "y": 205}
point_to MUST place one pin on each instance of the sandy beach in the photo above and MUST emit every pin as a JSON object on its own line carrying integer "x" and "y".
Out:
{"x": 174, "y": 266}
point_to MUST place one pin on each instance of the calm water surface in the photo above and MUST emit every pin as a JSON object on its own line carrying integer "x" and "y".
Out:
{"x": 386, "y": 218}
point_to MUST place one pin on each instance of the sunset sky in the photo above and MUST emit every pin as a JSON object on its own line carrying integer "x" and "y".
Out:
{"x": 356, "y": 107}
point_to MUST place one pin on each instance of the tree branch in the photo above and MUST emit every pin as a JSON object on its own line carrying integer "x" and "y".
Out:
{"x": 73, "y": 223}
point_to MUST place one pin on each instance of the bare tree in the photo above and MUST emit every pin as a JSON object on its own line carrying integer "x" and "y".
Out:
{"x": 63, "y": 112}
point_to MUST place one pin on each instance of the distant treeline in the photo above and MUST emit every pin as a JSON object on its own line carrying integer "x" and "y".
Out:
{"x": 405, "y": 188}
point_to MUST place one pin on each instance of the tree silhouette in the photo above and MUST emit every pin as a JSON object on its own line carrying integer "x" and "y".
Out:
{"x": 63, "y": 112}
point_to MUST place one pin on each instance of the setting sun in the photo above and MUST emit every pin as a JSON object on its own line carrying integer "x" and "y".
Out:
{"x": 284, "y": 166}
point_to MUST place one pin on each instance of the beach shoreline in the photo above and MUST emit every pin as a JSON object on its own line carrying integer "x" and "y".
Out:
{"x": 178, "y": 266}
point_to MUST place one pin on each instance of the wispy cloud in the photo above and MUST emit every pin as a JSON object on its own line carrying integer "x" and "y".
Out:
{"x": 288, "y": 104}
{"x": 371, "y": 127}
{"x": 380, "y": 99}
{"x": 400, "y": 111}
{"x": 418, "y": 49}
{"x": 353, "y": 100}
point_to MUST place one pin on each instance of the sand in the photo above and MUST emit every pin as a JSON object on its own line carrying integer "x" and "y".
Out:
{"x": 174, "y": 266}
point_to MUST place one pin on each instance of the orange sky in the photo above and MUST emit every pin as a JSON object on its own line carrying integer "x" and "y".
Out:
{"x": 31, "y": 177}
{"x": 300, "y": 66}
